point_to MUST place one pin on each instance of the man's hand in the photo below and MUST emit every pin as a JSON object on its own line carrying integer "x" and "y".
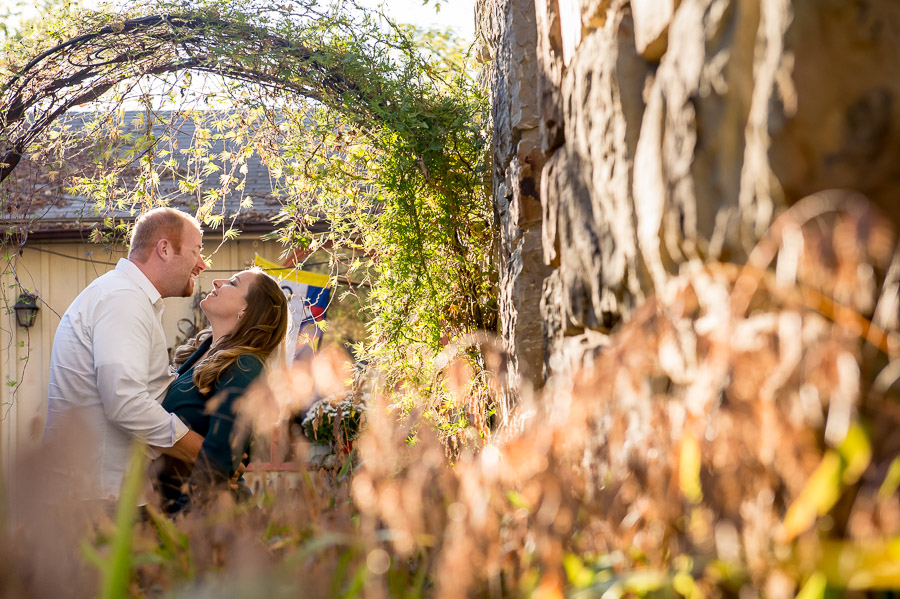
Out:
{"x": 186, "y": 448}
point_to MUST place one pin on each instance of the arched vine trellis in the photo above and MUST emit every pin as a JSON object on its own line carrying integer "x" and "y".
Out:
{"x": 82, "y": 69}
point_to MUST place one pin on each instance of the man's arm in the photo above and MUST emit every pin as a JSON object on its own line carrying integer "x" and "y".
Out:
{"x": 186, "y": 448}
{"x": 122, "y": 340}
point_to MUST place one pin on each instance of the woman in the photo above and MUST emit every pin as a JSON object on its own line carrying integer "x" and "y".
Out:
{"x": 248, "y": 314}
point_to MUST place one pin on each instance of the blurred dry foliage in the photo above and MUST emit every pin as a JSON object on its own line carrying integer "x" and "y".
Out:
{"x": 736, "y": 438}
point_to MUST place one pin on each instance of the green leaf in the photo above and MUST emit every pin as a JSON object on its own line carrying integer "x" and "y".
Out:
{"x": 814, "y": 587}
{"x": 856, "y": 452}
{"x": 576, "y": 572}
{"x": 689, "y": 468}
{"x": 517, "y": 500}
{"x": 819, "y": 495}
{"x": 891, "y": 480}
{"x": 115, "y": 576}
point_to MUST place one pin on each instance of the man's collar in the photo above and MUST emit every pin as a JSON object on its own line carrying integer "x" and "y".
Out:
{"x": 133, "y": 272}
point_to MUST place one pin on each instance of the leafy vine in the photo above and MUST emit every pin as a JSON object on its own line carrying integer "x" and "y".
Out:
{"x": 361, "y": 131}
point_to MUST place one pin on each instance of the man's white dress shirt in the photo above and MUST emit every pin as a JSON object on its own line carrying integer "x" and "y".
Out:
{"x": 110, "y": 369}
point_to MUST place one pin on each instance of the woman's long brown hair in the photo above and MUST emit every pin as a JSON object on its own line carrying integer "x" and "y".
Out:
{"x": 187, "y": 349}
{"x": 262, "y": 327}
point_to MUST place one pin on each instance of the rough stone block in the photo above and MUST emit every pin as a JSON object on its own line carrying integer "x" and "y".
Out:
{"x": 521, "y": 279}
{"x": 552, "y": 318}
{"x": 649, "y": 189}
{"x": 525, "y": 207}
{"x": 524, "y": 276}
{"x": 524, "y": 178}
{"x": 592, "y": 179}
{"x": 834, "y": 120}
{"x": 523, "y": 45}
{"x": 651, "y": 26}
{"x": 552, "y": 182}
{"x": 569, "y": 28}
{"x": 705, "y": 82}
{"x": 594, "y": 14}
{"x": 550, "y": 74}
{"x": 513, "y": 77}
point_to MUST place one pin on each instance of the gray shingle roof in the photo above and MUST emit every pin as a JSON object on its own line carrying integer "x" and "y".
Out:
{"x": 42, "y": 199}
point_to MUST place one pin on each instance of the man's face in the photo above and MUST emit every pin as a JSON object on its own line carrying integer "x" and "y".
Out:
{"x": 189, "y": 263}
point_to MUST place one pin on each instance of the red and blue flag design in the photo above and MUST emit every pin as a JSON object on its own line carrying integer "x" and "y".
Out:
{"x": 308, "y": 296}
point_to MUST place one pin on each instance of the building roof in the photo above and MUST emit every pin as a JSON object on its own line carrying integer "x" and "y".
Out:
{"x": 37, "y": 197}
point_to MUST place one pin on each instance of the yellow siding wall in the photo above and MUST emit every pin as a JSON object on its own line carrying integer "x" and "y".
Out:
{"x": 58, "y": 279}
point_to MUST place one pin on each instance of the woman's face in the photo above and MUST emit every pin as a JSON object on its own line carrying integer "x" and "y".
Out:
{"x": 228, "y": 299}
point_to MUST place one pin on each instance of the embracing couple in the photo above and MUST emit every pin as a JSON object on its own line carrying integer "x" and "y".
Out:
{"x": 110, "y": 379}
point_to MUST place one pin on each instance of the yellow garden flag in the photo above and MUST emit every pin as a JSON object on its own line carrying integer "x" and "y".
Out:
{"x": 308, "y": 296}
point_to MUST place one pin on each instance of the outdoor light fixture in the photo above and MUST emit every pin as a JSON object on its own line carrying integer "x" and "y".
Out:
{"x": 26, "y": 309}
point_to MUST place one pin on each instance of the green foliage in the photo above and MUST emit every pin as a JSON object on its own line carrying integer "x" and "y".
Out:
{"x": 18, "y": 17}
{"x": 115, "y": 569}
{"x": 364, "y": 131}
{"x": 173, "y": 549}
{"x": 333, "y": 418}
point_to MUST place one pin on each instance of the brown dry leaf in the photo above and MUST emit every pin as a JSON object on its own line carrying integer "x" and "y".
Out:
{"x": 458, "y": 379}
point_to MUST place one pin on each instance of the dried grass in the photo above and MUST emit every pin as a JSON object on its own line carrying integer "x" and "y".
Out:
{"x": 735, "y": 438}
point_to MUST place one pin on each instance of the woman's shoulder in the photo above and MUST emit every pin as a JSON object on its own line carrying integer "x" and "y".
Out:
{"x": 199, "y": 345}
{"x": 248, "y": 363}
{"x": 189, "y": 353}
{"x": 242, "y": 372}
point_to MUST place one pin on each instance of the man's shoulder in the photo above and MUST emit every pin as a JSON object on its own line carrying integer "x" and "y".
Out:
{"x": 114, "y": 283}
{"x": 110, "y": 292}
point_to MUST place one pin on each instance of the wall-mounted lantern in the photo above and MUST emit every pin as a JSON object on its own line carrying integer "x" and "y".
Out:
{"x": 26, "y": 309}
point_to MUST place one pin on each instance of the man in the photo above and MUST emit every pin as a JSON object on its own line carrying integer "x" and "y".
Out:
{"x": 109, "y": 367}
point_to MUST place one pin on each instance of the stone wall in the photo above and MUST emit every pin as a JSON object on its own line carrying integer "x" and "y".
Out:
{"x": 509, "y": 36}
{"x": 631, "y": 138}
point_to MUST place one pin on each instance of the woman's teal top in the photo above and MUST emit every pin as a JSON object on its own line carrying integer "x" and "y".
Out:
{"x": 223, "y": 446}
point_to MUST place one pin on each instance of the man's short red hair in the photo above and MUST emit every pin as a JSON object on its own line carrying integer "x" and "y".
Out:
{"x": 159, "y": 223}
